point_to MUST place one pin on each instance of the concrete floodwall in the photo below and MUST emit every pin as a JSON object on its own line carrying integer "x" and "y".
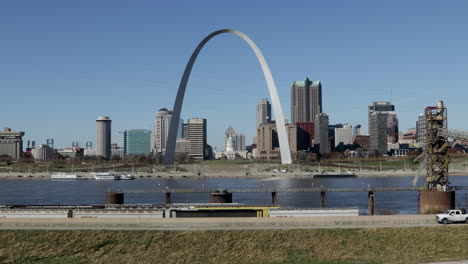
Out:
{"x": 314, "y": 212}
{"x": 26, "y": 213}
{"x": 119, "y": 214}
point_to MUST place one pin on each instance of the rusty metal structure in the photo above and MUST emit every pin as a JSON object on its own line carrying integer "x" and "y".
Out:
{"x": 436, "y": 148}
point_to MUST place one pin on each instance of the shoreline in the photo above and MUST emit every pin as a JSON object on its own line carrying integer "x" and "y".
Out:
{"x": 224, "y": 175}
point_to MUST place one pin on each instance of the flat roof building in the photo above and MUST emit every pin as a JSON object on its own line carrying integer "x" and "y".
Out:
{"x": 137, "y": 142}
{"x": 11, "y": 143}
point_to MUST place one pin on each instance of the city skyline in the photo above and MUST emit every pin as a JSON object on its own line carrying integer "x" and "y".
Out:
{"x": 393, "y": 52}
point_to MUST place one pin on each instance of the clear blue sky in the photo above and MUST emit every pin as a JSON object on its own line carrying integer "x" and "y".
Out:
{"x": 64, "y": 63}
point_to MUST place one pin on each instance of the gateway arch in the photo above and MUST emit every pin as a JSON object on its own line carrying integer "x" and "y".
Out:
{"x": 281, "y": 128}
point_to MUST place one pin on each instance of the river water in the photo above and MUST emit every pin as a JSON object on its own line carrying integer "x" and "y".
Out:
{"x": 85, "y": 192}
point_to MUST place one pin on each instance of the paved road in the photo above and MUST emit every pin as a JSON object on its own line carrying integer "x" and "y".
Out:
{"x": 222, "y": 223}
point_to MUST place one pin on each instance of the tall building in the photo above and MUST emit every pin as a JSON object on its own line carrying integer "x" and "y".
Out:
{"x": 293, "y": 135}
{"x": 306, "y": 100}
{"x": 381, "y": 107}
{"x": 197, "y": 137}
{"x": 161, "y": 130}
{"x": 11, "y": 143}
{"x": 391, "y": 132}
{"x": 344, "y": 135}
{"x": 267, "y": 142}
{"x": 322, "y": 141}
{"x": 137, "y": 141}
{"x": 378, "y": 132}
{"x": 185, "y": 131}
{"x": 421, "y": 129}
{"x": 263, "y": 112}
{"x": 103, "y": 137}
{"x": 239, "y": 142}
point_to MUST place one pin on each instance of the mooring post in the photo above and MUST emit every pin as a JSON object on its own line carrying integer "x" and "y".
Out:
{"x": 274, "y": 200}
{"x": 168, "y": 198}
{"x": 371, "y": 202}
{"x": 323, "y": 198}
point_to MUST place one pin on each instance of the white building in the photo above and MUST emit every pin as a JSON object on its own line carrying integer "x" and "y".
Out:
{"x": 43, "y": 153}
{"x": 114, "y": 152}
{"x": 344, "y": 135}
{"x": 161, "y": 129}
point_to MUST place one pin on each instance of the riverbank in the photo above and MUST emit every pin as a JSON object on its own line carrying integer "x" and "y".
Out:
{"x": 376, "y": 245}
{"x": 222, "y": 174}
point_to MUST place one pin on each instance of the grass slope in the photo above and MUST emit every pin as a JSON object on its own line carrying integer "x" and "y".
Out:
{"x": 381, "y": 245}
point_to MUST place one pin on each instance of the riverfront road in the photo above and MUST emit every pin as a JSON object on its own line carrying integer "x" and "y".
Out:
{"x": 222, "y": 223}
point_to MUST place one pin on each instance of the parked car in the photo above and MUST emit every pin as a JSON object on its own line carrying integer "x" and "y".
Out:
{"x": 452, "y": 216}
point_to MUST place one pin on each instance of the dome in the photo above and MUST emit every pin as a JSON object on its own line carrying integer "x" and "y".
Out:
{"x": 230, "y": 130}
{"x": 164, "y": 110}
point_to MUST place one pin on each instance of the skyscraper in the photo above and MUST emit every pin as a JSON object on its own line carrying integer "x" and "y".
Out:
{"x": 391, "y": 132}
{"x": 197, "y": 137}
{"x": 103, "y": 137}
{"x": 267, "y": 142}
{"x": 161, "y": 129}
{"x": 322, "y": 141}
{"x": 137, "y": 141}
{"x": 306, "y": 100}
{"x": 263, "y": 112}
{"x": 378, "y": 132}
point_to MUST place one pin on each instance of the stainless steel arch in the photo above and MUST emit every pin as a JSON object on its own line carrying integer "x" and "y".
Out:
{"x": 282, "y": 136}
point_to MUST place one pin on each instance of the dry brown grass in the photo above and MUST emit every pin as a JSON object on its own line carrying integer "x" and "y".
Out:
{"x": 381, "y": 245}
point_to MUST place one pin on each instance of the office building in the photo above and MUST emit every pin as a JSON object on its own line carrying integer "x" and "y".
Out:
{"x": 343, "y": 135}
{"x": 137, "y": 142}
{"x": 322, "y": 141}
{"x": 11, "y": 143}
{"x": 239, "y": 142}
{"x": 263, "y": 112}
{"x": 197, "y": 137}
{"x": 161, "y": 130}
{"x": 391, "y": 133}
{"x": 103, "y": 137}
{"x": 293, "y": 136}
{"x": 306, "y": 100}
{"x": 306, "y": 135}
{"x": 267, "y": 142}
{"x": 182, "y": 146}
{"x": 185, "y": 131}
{"x": 378, "y": 132}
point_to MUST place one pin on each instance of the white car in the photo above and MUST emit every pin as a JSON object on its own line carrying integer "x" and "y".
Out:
{"x": 452, "y": 216}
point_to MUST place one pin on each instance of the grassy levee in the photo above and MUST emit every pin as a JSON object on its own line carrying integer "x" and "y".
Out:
{"x": 379, "y": 245}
